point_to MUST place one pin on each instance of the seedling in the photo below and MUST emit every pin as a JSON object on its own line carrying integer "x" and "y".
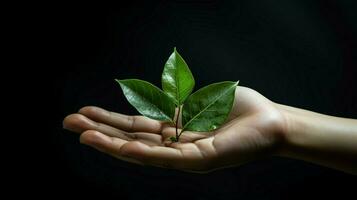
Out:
{"x": 204, "y": 110}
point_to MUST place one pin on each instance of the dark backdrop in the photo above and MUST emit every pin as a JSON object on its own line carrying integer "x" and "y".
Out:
{"x": 299, "y": 53}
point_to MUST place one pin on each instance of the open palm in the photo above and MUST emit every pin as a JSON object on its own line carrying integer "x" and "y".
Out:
{"x": 253, "y": 129}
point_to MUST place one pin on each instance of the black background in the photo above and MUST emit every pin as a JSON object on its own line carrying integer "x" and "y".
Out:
{"x": 298, "y": 53}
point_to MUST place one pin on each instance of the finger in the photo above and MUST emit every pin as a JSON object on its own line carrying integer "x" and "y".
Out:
{"x": 187, "y": 136}
{"x": 154, "y": 155}
{"x": 138, "y": 151}
{"x": 121, "y": 121}
{"x": 186, "y": 156}
{"x": 79, "y": 123}
{"x": 106, "y": 144}
{"x": 150, "y": 139}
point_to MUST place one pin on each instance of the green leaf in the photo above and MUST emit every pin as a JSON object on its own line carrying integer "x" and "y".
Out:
{"x": 208, "y": 108}
{"x": 173, "y": 139}
{"x": 149, "y": 100}
{"x": 177, "y": 79}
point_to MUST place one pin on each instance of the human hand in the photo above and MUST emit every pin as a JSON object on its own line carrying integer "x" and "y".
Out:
{"x": 253, "y": 129}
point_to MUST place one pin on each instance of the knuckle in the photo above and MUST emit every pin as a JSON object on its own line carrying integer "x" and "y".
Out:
{"x": 88, "y": 110}
{"x": 73, "y": 119}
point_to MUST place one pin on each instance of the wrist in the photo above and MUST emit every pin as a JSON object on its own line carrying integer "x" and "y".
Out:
{"x": 306, "y": 133}
{"x": 317, "y": 138}
{"x": 291, "y": 122}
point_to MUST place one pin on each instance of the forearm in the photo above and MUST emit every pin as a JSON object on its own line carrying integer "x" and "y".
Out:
{"x": 322, "y": 139}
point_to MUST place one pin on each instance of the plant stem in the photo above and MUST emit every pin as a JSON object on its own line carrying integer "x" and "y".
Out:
{"x": 177, "y": 119}
{"x": 180, "y": 134}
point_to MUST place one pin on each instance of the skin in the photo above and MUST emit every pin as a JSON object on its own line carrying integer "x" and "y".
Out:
{"x": 256, "y": 128}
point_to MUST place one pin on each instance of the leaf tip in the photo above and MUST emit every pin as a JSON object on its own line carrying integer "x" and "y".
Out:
{"x": 118, "y": 81}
